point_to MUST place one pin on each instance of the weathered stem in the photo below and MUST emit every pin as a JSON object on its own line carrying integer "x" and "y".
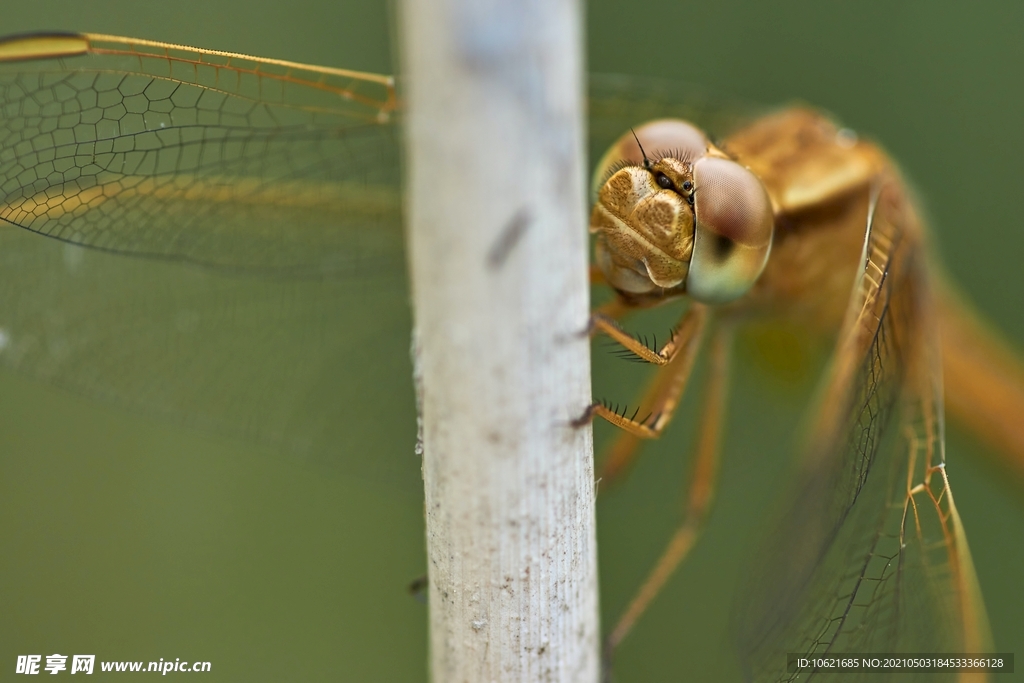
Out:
{"x": 499, "y": 272}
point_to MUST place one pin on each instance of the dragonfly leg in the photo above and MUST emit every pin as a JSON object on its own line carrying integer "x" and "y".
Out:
{"x": 662, "y": 397}
{"x": 660, "y": 400}
{"x": 686, "y": 335}
{"x": 699, "y": 495}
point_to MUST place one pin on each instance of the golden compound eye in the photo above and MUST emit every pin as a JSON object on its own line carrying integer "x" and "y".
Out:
{"x": 733, "y": 234}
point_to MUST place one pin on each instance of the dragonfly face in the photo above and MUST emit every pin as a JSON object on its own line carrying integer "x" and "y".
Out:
{"x": 689, "y": 220}
{"x": 270, "y": 190}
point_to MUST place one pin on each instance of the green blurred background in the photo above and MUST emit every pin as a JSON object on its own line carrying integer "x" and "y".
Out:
{"x": 133, "y": 538}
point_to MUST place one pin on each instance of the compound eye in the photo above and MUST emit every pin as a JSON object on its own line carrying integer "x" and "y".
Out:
{"x": 733, "y": 234}
{"x": 669, "y": 136}
{"x": 661, "y": 136}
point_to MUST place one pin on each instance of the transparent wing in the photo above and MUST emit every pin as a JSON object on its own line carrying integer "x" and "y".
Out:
{"x": 211, "y": 158}
{"x": 208, "y": 237}
{"x": 870, "y": 556}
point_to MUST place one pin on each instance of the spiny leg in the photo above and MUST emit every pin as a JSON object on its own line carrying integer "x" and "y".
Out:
{"x": 699, "y": 495}
{"x": 668, "y": 386}
{"x": 604, "y": 320}
{"x": 661, "y": 398}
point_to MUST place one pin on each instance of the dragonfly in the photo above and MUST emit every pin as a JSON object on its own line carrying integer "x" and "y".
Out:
{"x": 255, "y": 206}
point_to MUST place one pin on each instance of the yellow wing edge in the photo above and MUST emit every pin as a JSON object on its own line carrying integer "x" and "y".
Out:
{"x": 39, "y": 46}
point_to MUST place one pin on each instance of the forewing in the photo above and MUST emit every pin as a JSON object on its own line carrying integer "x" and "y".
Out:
{"x": 180, "y": 154}
{"x": 207, "y": 237}
{"x": 870, "y": 555}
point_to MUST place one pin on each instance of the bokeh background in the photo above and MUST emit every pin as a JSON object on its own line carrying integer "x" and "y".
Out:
{"x": 136, "y": 538}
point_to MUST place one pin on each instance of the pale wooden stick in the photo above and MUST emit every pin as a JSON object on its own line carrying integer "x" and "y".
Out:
{"x": 499, "y": 273}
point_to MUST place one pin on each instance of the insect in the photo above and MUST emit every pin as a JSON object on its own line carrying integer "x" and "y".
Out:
{"x": 795, "y": 217}
{"x": 272, "y": 188}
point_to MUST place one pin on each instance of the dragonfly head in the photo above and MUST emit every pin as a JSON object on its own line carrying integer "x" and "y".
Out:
{"x": 674, "y": 214}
